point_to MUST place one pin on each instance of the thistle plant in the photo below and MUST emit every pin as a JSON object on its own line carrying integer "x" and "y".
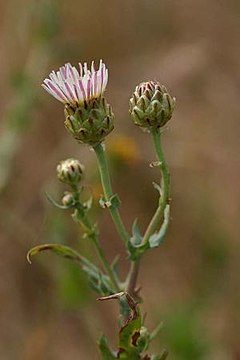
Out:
{"x": 89, "y": 119}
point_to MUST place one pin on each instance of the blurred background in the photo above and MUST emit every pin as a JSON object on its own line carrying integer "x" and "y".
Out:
{"x": 191, "y": 283}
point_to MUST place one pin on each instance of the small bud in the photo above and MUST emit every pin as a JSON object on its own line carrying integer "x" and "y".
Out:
{"x": 68, "y": 199}
{"x": 151, "y": 106}
{"x": 70, "y": 171}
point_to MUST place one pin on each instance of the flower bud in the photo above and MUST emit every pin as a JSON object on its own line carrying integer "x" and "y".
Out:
{"x": 70, "y": 171}
{"x": 68, "y": 199}
{"x": 90, "y": 123}
{"x": 151, "y": 106}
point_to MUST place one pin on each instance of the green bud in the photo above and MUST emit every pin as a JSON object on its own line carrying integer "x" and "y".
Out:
{"x": 151, "y": 106}
{"x": 91, "y": 122}
{"x": 70, "y": 171}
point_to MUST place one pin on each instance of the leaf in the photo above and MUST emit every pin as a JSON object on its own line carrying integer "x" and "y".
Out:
{"x": 107, "y": 354}
{"x": 99, "y": 281}
{"x": 61, "y": 250}
{"x": 130, "y": 331}
{"x": 52, "y": 201}
{"x": 135, "y": 246}
{"x": 156, "y": 331}
{"x": 157, "y": 187}
{"x": 136, "y": 238}
{"x": 163, "y": 356}
{"x": 157, "y": 238}
{"x": 128, "y": 339}
{"x": 88, "y": 204}
{"x": 115, "y": 266}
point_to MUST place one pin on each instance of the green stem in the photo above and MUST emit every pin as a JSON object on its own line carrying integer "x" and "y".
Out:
{"x": 92, "y": 234}
{"x": 157, "y": 217}
{"x": 165, "y": 186}
{"x": 108, "y": 193}
{"x": 132, "y": 278}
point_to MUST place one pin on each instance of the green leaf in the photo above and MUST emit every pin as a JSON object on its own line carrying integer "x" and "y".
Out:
{"x": 136, "y": 238}
{"x": 88, "y": 204}
{"x": 163, "y": 356}
{"x": 157, "y": 187}
{"x": 115, "y": 266}
{"x": 156, "y": 239}
{"x": 61, "y": 250}
{"x": 135, "y": 246}
{"x": 128, "y": 337}
{"x": 99, "y": 281}
{"x": 106, "y": 353}
{"x": 52, "y": 201}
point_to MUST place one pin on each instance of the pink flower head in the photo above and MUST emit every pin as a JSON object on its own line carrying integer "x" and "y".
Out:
{"x": 73, "y": 87}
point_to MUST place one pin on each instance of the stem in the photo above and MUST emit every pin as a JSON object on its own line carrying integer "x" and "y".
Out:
{"x": 132, "y": 277}
{"x": 92, "y": 234}
{"x": 108, "y": 193}
{"x": 165, "y": 186}
{"x": 154, "y": 223}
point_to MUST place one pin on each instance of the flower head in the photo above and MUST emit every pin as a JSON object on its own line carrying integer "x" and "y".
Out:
{"x": 70, "y": 171}
{"x": 73, "y": 87}
{"x": 151, "y": 106}
{"x": 88, "y": 117}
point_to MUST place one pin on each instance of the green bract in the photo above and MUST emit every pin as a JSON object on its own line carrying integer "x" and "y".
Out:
{"x": 89, "y": 123}
{"x": 151, "y": 106}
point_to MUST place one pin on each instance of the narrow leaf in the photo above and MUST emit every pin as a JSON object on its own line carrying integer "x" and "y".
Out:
{"x": 61, "y": 250}
{"x": 157, "y": 238}
{"x": 52, "y": 201}
{"x": 104, "y": 349}
{"x": 136, "y": 238}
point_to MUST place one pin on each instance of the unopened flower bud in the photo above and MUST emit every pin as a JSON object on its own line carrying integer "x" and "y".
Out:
{"x": 151, "y": 106}
{"x": 70, "y": 171}
{"x": 68, "y": 199}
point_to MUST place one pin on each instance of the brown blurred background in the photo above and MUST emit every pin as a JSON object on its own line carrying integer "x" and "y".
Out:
{"x": 47, "y": 310}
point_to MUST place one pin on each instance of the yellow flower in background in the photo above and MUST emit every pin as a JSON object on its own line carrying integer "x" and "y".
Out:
{"x": 123, "y": 150}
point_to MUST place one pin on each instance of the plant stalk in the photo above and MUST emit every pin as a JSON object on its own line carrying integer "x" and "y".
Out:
{"x": 165, "y": 186}
{"x": 92, "y": 234}
{"x": 158, "y": 215}
{"x": 108, "y": 193}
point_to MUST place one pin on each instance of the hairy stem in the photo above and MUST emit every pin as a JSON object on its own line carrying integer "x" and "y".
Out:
{"x": 108, "y": 193}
